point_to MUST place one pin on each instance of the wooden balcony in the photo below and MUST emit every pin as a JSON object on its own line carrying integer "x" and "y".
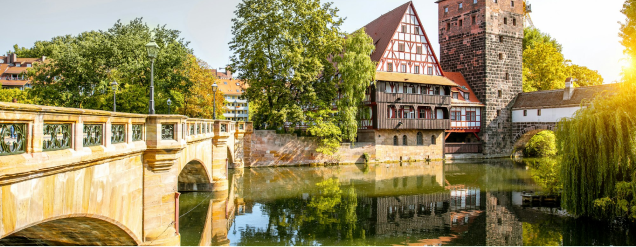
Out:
{"x": 394, "y": 123}
{"x": 406, "y": 98}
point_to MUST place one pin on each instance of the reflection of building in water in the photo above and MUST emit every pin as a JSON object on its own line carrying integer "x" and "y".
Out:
{"x": 502, "y": 226}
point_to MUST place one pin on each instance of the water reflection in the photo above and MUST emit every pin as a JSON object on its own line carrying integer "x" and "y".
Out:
{"x": 416, "y": 204}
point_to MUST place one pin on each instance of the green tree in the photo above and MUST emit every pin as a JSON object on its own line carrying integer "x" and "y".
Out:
{"x": 199, "y": 103}
{"x": 628, "y": 36}
{"x": 21, "y": 96}
{"x": 81, "y": 68}
{"x": 543, "y": 144}
{"x": 545, "y": 68}
{"x": 357, "y": 71}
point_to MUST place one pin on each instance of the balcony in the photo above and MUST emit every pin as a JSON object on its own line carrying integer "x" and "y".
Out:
{"x": 394, "y": 123}
{"x": 413, "y": 98}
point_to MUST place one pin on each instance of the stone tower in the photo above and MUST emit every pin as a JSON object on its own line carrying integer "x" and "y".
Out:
{"x": 482, "y": 39}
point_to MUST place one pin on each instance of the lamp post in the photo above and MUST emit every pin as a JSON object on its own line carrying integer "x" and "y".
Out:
{"x": 152, "y": 49}
{"x": 114, "y": 84}
{"x": 169, "y": 102}
{"x": 214, "y": 101}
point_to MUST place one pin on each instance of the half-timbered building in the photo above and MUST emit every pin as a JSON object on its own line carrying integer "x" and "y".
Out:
{"x": 409, "y": 103}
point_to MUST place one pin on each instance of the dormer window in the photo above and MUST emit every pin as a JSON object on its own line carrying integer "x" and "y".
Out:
{"x": 455, "y": 95}
{"x": 28, "y": 65}
{"x": 467, "y": 96}
{"x": 17, "y": 65}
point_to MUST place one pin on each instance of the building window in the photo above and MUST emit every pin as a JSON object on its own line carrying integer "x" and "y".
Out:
{"x": 539, "y": 112}
{"x": 417, "y": 30}
{"x": 461, "y": 23}
{"x": 474, "y": 20}
{"x": 391, "y": 112}
{"x": 514, "y": 22}
{"x": 507, "y": 76}
{"x": 512, "y": 4}
{"x": 445, "y": 9}
{"x": 430, "y": 70}
{"x": 499, "y": 94}
{"x": 525, "y": 113}
{"x": 395, "y": 140}
{"x": 401, "y": 47}
{"x": 404, "y": 140}
{"x": 501, "y": 56}
{"x": 461, "y": 5}
{"x": 17, "y": 65}
{"x": 29, "y": 65}
{"x": 389, "y": 67}
{"x": 436, "y": 91}
{"x": 403, "y": 67}
{"x": 466, "y": 96}
{"x": 433, "y": 140}
{"x": 448, "y": 26}
{"x": 418, "y": 49}
{"x": 500, "y": 38}
{"x": 505, "y": 21}
{"x": 455, "y": 95}
{"x": 494, "y": 1}
{"x": 420, "y": 138}
{"x": 498, "y": 113}
{"x": 471, "y": 116}
{"x": 416, "y": 69}
{"x": 404, "y": 28}
{"x": 474, "y": 1}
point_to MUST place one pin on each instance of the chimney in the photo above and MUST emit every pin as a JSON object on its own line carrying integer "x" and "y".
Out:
{"x": 568, "y": 91}
{"x": 228, "y": 72}
{"x": 14, "y": 57}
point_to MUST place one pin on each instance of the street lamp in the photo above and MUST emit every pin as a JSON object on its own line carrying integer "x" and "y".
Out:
{"x": 214, "y": 101}
{"x": 153, "y": 49}
{"x": 169, "y": 102}
{"x": 114, "y": 84}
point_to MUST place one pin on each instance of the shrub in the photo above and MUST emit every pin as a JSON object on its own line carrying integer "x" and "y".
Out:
{"x": 543, "y": 144}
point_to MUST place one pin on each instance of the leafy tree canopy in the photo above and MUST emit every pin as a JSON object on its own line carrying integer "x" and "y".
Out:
{"x": 199, "y": 103}
{"x": 545, "y": 68}
{"x": 81, "y": 68}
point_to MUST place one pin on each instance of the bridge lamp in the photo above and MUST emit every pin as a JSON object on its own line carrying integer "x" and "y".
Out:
{"x": 214, "y": 87}
{"x": 114, "y": 84}
{"x": 169, "y": 102}
{"x": 152, "y": 49}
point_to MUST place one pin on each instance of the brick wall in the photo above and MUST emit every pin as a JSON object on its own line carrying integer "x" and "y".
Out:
{"x": 270, "y": 149}
{"x": 518, "y": 129}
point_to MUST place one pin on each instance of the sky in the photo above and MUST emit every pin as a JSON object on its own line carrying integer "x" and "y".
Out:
{"x": 587, "y": 29}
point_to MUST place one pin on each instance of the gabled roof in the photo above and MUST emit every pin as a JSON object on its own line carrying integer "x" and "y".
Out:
{"x": 413, "y": 78}
{"x": 16, "y": 70}
{"x": 383, "y": 28}
{"x": 462, "y": 86}
{"x": 554, "y": 98}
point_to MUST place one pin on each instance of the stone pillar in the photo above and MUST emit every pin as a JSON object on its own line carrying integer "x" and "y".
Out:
{"x": 219, "y": 223}
{"x": 164, "y": 141}
{"x": 222, "y": 132}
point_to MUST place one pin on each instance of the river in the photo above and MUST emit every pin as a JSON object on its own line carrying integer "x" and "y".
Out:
{"x": 475, "y": 202}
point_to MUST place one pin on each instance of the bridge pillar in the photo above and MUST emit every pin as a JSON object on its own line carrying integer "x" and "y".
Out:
{"x": 223, "y": 130}
{"x": 165, "y": 142}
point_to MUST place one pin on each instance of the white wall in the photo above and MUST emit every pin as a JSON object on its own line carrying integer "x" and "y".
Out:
{"x": 548, "y": 115}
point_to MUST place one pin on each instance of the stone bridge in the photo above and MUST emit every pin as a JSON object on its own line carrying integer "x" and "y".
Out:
{"x": 86, "y": 177}
{"x": 521, "y": 128}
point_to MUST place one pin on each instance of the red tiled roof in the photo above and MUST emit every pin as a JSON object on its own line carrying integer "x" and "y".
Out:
{"x": 458, "y": 78}
{"x": 13, "y": 82}
{"x": 229, "y": 87}
{"x": 383, "y": 28}
{"x": 16, "y": 70}
{"x": 554, "y": 98}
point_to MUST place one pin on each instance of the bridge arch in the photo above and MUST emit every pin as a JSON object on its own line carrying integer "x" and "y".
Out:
{"x": 194, "y": 175}
{"x": 524, "y": 137}
{"x": 77, "y": 229}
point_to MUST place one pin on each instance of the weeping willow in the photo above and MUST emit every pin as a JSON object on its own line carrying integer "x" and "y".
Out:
{"x": 599, "y": 152}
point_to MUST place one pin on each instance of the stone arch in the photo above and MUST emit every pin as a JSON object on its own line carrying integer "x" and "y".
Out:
{"x": 523, "y": 138}
{"x": 533, "y": 128}
{"x": 230, "y": 157}
{"x": 79, "y": 229}
{"x": 194, "y": 177}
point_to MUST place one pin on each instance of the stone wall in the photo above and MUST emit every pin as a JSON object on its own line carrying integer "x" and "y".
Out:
{"x": 270, "y": 149}
{"x": 518, "y": 129}
{"x": 488, "y": 53}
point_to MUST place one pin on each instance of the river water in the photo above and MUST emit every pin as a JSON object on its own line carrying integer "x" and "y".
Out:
{"x": 468, "y": 203}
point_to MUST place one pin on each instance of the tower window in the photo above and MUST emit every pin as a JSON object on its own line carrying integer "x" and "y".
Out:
{"x": 505, "y": 21}
{"x": 500, "y": 38}
{"x": 461, "y": 5}
{"x": 474, "y": 20}
{"x": 512, "y": 4}
{"x": 494, "y": 1}
{"x": 460, "y": 23}
{"x": 499, "y": 94}
{"x": 507, "y": 76}
{"x": 474, "y": 1}
{"x": 445, "y": 9}
{"x": 498, "y": 113}
{"x": 514, "y": 22}
{"x": 389, "y": 67}
{"x": 404, "y": 28}
{"x": 501, "y": 56}
{"x": 401, "y": 47}
{"x": 448, "y": 26}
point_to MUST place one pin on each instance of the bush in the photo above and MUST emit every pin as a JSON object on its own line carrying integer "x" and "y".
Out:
{"x": 543, "y": 144}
